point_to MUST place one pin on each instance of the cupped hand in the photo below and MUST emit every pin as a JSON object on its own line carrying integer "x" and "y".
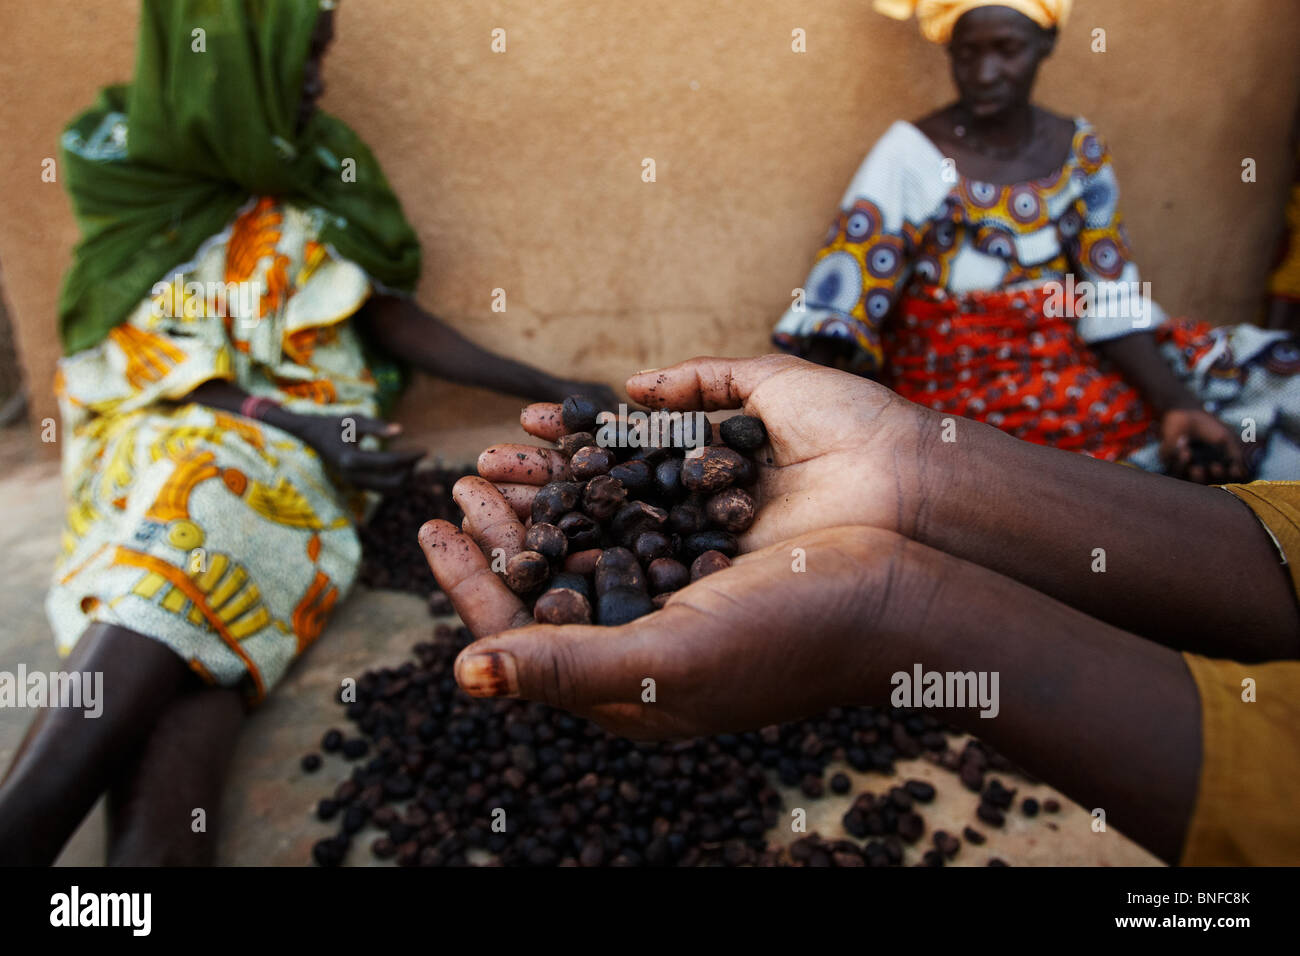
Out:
{"x": 1181, "y": 428}
{"x": 337, "y": 439}
{"x": 782, "y": 633}
{"x": 842, "y": 450}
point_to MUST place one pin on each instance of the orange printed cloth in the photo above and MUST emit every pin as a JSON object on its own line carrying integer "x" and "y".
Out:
{"x": 220, "y": 536}
{"x": 1005, "y": 358}
{"x": 996, "y": 357}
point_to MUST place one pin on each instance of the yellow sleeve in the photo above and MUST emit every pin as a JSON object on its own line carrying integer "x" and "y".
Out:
{"x": 1249, "y": 790}
{"x": 1277, "y": 505}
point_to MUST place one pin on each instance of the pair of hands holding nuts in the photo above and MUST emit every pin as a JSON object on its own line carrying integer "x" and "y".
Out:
{"x": 775, "y": 635}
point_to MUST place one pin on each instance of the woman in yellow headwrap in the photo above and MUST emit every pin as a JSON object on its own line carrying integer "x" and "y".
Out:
{"x": 939, "y": 17}
{"x": 980, "y": 265}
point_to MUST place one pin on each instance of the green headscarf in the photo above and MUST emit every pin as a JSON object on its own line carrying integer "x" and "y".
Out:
{"x": 156, "y": 168}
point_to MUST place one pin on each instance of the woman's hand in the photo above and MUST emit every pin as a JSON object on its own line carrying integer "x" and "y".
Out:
{"x": 1180, "y": 428}
{"x": 756, "y": 643}
{"x": 842, "y": 450}
{"x": 337, "y": 439}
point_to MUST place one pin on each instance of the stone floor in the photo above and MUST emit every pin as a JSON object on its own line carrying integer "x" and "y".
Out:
{"x": 267, "y": 816}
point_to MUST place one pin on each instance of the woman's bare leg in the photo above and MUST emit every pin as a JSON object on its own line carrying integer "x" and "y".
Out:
{"x": 68, "y": 759}
{"x": 180, "y": 769}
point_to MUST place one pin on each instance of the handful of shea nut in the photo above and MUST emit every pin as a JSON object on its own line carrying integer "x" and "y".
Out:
{"x": 652, "y": 502}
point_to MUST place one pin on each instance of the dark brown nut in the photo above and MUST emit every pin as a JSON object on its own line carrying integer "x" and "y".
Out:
{"x": 579, "y": 414}
{"x": 707, "y": 563}
{"x": 659, "y": 600}
{"x": 568, "y": 444}
{"x": 1051, "y": 805}
{"x": 562, "y": 606}
{"x": 548, "y": 540}
{"x": 651, "y": 455}
{"x": 910, "y": 826}
{"x": 973, "y": 836}
{"x": 667, "y": 574}
{"x": 617, "y": 559}
{"x": 582, "y": 531}
{"x": 635, "y": 474}
{"x": 998, "y": 795}
{"x": 636, "y": 518}
{"x": 651, "y": 546}
{"x": 743, "y": 432}
{"x": 668, "y": 477}
{"x": 621, "y": 605}
{"x": 603, "y": 496}
{"x": 696, "y": 544}
{"x": 527, "y": 571}
{"x": 590, "y": 462}
{"x": 715, "y": 468}
{"x": 946, "y": 843}
{"x": 554, "y": 501}
{"x": 618, "y": 568}
{"x": 574, "y": 582}
{"x": 990, "y": 814}
{"x": 582, "y": 562}
{"x": 732, "y": 510}
{"x": 921, "y": 791}
{"x": 687, "y": 518}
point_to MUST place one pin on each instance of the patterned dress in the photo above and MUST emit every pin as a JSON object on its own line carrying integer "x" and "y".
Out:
{"x": 220, "y": 536}
{"x": 982, "y": 300}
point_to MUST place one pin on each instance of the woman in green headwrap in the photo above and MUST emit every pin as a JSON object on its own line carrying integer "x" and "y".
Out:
{"x": 219, "y": 411}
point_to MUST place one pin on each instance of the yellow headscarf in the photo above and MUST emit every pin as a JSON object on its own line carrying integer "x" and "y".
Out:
{"x": 938, "y": 17}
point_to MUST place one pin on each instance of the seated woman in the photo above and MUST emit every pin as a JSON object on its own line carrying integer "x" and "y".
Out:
{"x": 980, "y": 266}
{"x": 217, "y": 424}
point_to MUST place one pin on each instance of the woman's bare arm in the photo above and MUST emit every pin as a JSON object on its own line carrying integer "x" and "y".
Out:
{"x": 410, "y": 333}
{"x": 1186, "y": 565}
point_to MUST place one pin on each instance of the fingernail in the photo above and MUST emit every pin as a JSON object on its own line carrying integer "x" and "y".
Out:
{"x": 647, "y": 371}
{"x": 488, "y": 674}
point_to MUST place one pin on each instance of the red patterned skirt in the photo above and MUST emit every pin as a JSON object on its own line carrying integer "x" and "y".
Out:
{"x": 995, "y": 357}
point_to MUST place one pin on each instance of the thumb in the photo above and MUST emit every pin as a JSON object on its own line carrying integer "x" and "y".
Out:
{"x": 572, "y": 667}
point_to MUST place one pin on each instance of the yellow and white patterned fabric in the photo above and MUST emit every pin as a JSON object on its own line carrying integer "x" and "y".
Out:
{"x": 220, "y": 536}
